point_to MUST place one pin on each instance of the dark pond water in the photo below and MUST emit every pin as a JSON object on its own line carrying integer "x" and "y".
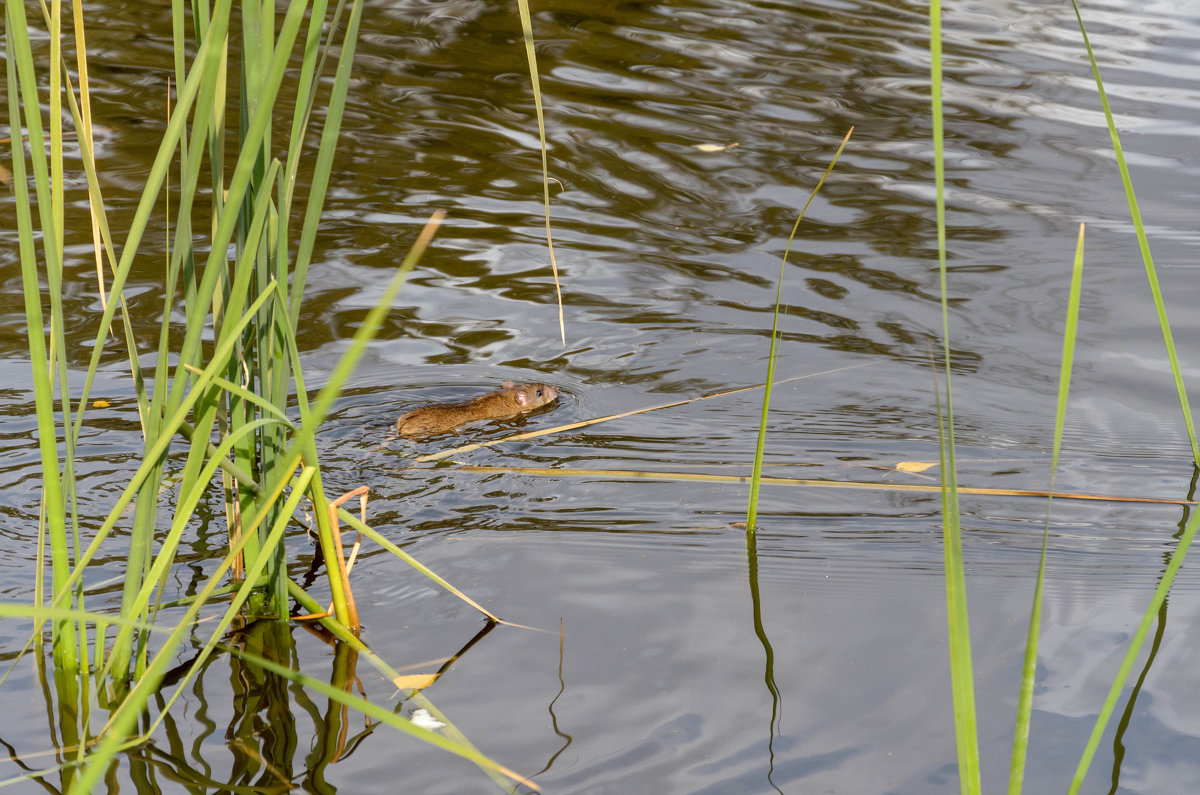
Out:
{"x": 669, "y": 256}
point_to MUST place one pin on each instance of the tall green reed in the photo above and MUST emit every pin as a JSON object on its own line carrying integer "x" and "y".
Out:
{"x": 958, "y": 625}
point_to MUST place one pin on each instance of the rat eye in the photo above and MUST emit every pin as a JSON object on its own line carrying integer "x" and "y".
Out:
{"x": 539, "y": 393}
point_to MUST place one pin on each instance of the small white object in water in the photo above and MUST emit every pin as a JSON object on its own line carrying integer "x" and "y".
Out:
{"x": 422, "y": 717}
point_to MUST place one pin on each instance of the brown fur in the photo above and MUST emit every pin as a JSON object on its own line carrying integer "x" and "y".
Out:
{"x": 511, "y": 401}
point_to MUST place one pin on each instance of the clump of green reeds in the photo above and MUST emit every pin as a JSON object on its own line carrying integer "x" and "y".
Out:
{"x": 223, "y": 399}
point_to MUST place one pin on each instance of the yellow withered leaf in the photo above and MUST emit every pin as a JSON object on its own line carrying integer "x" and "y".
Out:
{"x": 414, "y": 681}
{"x": 915, "y": 466}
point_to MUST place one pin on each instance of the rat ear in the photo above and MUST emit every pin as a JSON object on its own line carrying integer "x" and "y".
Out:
{"x": 508, "y": 385}
{"x": 521, "y": 396}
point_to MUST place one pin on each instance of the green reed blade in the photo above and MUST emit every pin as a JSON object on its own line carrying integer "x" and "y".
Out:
{"x": 52, "y": 249}
{"x": 254, "y": 453}
{"x": 154, "y": 180}
{"x": 756, "y": 472}
{"x": 324, "y": 165}
{"x": 958, "y": 625}
{"x": 189, "y": 497}
{"x": 51, "y": 196}
{"x": 220, "y": 355}
{"x": 1135, "y": 647}
{"x": 23, "y": 95}
{"x": 122, "y": 722}
{"x": 1143, "y": 242}
{"x": 206, "y": 126}
{"x": 311, "y": 416}
{"x": 102, "y": 238}
{"x": 250, "y": 397}
{"x": 228, "y": 219}
{"x": 309, "y": 77}
{"x": 254, "y": 571}
{"x": 417, "y": 699}
{"x": 244, "y": 209}
{"x": 199, "y": 87}
{"x": 280, "y": 319}
{"x": 531, "y": 58}
{"x": 142, "y": 533}
{"x": 1016, "y": 772}
{"x": 355, "y": 523}
{"x": 379, "y": 713}
{"x": 1185, "y": 540}
{"x": 48, "y": 613}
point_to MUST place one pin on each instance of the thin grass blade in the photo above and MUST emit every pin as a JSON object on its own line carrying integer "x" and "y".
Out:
{"x": 1016, "y": 772}
{"x": 756, "y": 472}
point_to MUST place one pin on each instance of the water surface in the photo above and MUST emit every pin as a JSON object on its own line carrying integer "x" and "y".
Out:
{"x": 668, "y": 257}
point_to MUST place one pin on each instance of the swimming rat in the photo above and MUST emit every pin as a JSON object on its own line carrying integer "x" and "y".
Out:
{"x": 511, "y": 401}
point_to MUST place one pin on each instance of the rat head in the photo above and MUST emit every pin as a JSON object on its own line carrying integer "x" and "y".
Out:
{"x": 530, "y": 396}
